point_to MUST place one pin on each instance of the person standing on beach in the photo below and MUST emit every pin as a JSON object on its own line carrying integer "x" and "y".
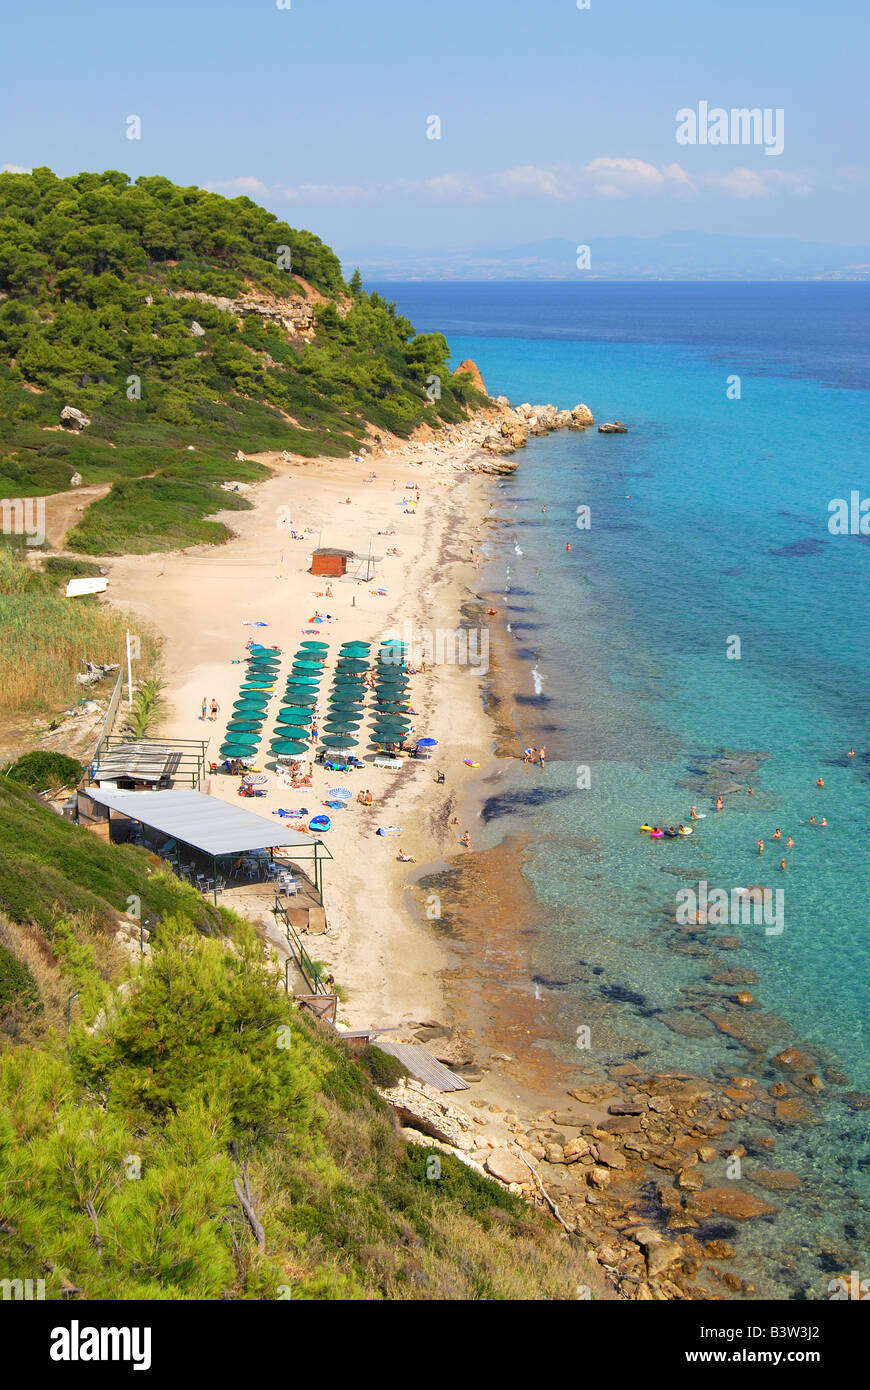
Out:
{"x": 465, "y": 839}
{"x": 204, "y": 707}
{"x": 215, "y": 709}
{"x": 542, "y": 756}
{"x": 719, "y": 803}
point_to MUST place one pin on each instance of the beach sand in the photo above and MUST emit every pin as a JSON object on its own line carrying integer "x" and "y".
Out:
{"x": 386, "y": 959}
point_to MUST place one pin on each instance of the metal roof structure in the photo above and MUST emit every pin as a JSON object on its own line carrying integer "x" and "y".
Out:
{"x": 423, "y": 1065}
{"x": 141, "y": 761}
{"x": 204, "y": 822}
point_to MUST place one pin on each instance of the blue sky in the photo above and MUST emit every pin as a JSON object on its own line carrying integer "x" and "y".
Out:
{"x": 556, "y": 122}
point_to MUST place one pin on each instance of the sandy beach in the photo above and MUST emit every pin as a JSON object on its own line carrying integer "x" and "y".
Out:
{"x": 200, "y": 601}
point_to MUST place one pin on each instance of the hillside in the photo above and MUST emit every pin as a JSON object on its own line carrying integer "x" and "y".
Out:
{"x": 126, "y": 1152}
{"x": 186, "y": 325}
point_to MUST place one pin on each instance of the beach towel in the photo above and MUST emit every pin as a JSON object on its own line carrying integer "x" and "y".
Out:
{"x": 389, "y": 830}
{"x": 245, "y": 623}
{"x": 282, "y": 811}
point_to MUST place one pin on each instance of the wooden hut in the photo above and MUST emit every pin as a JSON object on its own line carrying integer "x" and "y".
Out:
{"x": 329, "y": 561}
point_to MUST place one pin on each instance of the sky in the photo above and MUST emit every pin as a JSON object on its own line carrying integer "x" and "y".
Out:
{"x": 555, "y": 121}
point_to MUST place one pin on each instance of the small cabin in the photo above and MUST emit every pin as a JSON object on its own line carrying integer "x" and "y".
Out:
{"x": 329, "y": 561}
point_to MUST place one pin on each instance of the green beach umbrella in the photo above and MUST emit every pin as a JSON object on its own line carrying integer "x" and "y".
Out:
{"x": 291, "y": 711}
{"x": 255, "y": 686}
{"x": 251, "y": 706}
{"x": 337, "y": 726}
{"x": 236, "y": 750}
{"x": 315, "y": 646}
{"x": 301, "y": 697}
{"x": 244, "y": 725}
{"x": 339, "y": 741}
{"x": 356, "y": 646}
{"x": 302, "y": 665}
{"x": 344, "y": 702}
{"x": 288, "y": 748}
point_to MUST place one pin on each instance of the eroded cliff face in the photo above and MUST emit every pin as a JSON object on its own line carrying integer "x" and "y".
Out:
{"x": 294, "y": 313}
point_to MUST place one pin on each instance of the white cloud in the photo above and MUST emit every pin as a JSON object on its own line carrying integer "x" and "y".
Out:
{"x": 759, "y": 183}
{"x": 15, "y": 169}
{"x": 607, "y": 176}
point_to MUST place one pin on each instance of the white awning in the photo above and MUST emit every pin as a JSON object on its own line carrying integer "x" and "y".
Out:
{"x": 208, "y": 824}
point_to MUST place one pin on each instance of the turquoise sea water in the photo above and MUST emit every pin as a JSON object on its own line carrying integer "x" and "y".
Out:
{"x": 708, "y": 523}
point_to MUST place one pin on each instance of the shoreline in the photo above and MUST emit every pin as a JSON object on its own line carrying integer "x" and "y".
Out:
{"x": 434, "y": 979}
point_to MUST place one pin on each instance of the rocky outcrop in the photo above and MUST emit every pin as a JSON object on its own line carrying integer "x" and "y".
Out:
{"x": 74, "y": 419}
{"x": 295, "y": 314}
{"x": 615, "y": 427}
{"x": 469, "y": 368}
{"x": 422, "y": 1107}
{"x": 581, "y": 416}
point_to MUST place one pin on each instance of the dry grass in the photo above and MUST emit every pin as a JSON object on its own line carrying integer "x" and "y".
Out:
{"x": 46, "y": 638}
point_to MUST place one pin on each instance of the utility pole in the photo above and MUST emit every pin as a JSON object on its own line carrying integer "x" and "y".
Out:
{"x": 129, "y": 673}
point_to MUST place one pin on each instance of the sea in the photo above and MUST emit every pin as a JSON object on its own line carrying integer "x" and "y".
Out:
{"x": 706, "y": 630}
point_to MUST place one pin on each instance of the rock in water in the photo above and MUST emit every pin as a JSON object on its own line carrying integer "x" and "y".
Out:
{"x": 581, "y": 416}
{"x": 469, "y": 368}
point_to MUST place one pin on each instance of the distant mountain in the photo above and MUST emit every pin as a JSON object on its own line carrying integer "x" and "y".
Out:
{"x": 671, "y": 256}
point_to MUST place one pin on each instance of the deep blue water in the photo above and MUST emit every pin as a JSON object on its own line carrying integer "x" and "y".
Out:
{"x": 708, "y": 523}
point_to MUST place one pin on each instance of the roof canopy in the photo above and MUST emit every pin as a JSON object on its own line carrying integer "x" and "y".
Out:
{"x": 206, "y": 823}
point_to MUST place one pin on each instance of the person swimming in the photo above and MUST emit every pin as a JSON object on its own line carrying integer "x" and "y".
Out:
{"x": 760, "y": 846}
{"x": 824, "y": 820}
{"x": 777, "y": 835}
{"x": 820, "y": 781}
{"x": 789, "y": 844}
{"x": 719, "y": 803}
{"x": 782, "y": 865}
{"x": 693, "y": 814}
{"x": 851, "y": 753}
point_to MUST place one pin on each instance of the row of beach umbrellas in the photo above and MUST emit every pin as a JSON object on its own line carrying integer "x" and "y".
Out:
{"x": 249, "y": 711}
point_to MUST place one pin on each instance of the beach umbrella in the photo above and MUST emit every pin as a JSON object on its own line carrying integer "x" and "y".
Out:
{"x": 427, "y": 743}
{"x": 294, "y": 711}
{"x": 340, "y": 793}
{"x": 236, "y": 750}
{"x": 355, "y": 646}
{"x": 283, "y": 730}
{"x": 261, "y": 669}
{"x": 251, "y": 706}
{"x": 254, "y": 687}
{"x": 306, "y": 665}
{"x": 335, "y": 704}
{"x": 301, "y": 697}
{"x": 244, "y": 725}
{"x": 339, "y": 741}
{"x": 302, "y": 678}
{"x": 288, "y": 748}
{"x": 400, "y": 729}
{"x": 352, "y": 663}
{"x": 341, "y": 726}
{"x": 261, "y": 659}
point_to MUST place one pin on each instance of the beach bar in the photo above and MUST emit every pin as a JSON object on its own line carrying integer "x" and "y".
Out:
{"x": 210, "y": 827}
{"x": 329, "y": 561}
